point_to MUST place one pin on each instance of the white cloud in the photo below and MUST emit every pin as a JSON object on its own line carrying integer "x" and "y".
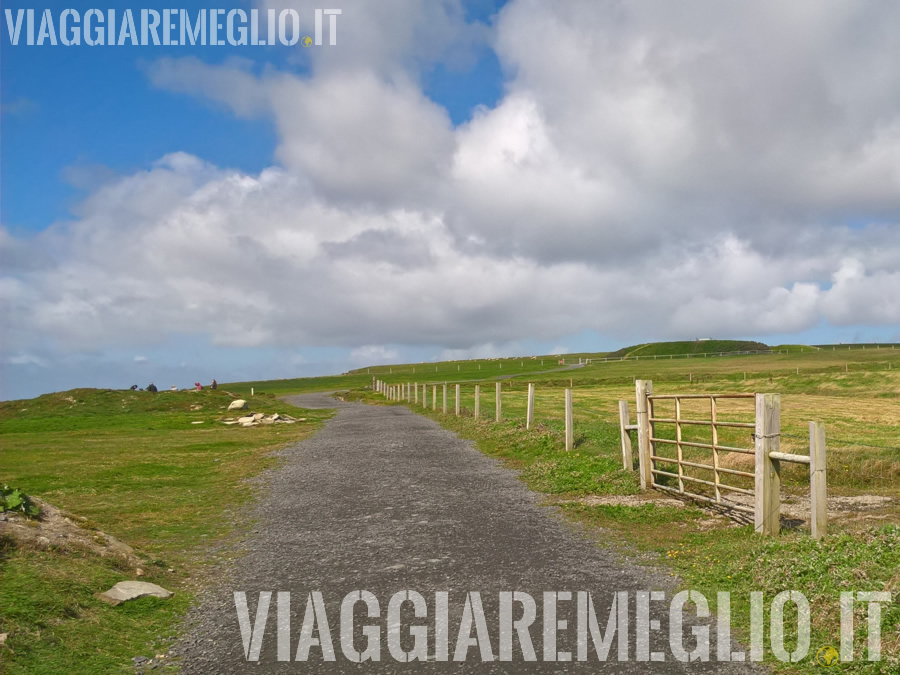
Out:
{"x": 652, "y": 172}
{"x": 373, "y": 354}
{"x": 23, "y": 359}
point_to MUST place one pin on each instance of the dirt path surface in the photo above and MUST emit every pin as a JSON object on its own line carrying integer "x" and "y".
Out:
{"x": 385, "y": 500}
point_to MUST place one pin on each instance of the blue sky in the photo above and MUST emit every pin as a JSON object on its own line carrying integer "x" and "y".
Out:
{"x": 81, "y": 110}
{"x": 506, "y": 160}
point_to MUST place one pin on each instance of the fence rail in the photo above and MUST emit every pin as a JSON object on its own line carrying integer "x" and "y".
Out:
{"x": 655, "y": 468}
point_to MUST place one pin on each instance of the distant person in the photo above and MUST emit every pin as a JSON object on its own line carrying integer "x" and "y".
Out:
{"x": 151, "y": 387}
{"x": 199, "y": 386}
{"x": 214, "y": 385}
{"x": 173, "y": 388}
{"x": 133, "y": 387}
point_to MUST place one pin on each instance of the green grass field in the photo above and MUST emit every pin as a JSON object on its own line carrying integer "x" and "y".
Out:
{"x": 855, "y": 391}
{"x": 701, "y": 550}
{"x": 137, "y": 467}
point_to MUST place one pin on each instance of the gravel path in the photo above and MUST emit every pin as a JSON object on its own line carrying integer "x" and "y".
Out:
{"x": 384, "y": 500}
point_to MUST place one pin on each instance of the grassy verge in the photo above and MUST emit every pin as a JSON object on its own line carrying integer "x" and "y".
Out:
{"x": 160, "y": 472}
{"x": 699, "y": 550}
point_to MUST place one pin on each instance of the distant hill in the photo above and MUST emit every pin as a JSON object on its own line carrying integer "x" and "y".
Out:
{"x": 690, "y": 347}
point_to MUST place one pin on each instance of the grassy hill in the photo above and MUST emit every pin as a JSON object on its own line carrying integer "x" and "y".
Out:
{"x": 690, "y": 347}
{"x": 157, "y": 470}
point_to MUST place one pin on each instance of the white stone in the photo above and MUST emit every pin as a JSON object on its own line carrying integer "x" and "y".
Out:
{"x": 129, "y": 590}
{"x": 244, "y": 420}
{"x": 238, "y": 404}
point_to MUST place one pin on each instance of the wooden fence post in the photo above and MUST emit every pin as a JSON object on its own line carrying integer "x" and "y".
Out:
{"x": 424, "y": 395}
{"x": 477, "y": 401}
{"x": 818, "y": 521}
{"x": 642, "y": 389}
{"x": 529, "y": 415}
{"x": 415, "y": 392}
{"x": 457, "y": 400}
{"x": 627, "y": 457}
{"x": 498, "y": 405}
{"x": 434, "y": 397}
{"x": 407, "y": 392}
{"x": 444, "y": 400}
{"x": 767, "y": 486}
{"x": 570, "y": 436}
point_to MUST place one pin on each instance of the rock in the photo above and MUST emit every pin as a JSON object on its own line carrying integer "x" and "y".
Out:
{"x": 244, "y": 420}
{"x": 139, "y": 572}
{"x": 258, "y": 416}
{"x": 237, "y": 404}
{"x": 230, "y": 423}
{"x": 130, "y": 590}
{"x": 249, "y": 424}
{"x": 3, "y": 637}
{"x": 3, "y": 518}
{"x": 200, "y": 422}
{"x": 275, "y": 417}
{"x": 60, "y": 530}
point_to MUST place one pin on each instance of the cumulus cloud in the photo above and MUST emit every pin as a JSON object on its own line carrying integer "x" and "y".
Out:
{"x": 652, "y": 172}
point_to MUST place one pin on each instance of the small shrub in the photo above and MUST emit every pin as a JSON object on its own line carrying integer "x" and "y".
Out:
{"x": 13, "y": 499}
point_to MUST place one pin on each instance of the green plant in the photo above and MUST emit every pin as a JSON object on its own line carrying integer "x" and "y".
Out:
{"x": 13, "y": 499}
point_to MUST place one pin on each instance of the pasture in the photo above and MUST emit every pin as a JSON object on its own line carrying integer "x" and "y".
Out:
{"x": 158, "y": 471}
{"x": 856, "y": 392}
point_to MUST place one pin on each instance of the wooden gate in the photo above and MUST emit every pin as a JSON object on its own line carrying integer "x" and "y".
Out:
{"x": 691, "y": 464}
{"x": 702, "y": 452}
